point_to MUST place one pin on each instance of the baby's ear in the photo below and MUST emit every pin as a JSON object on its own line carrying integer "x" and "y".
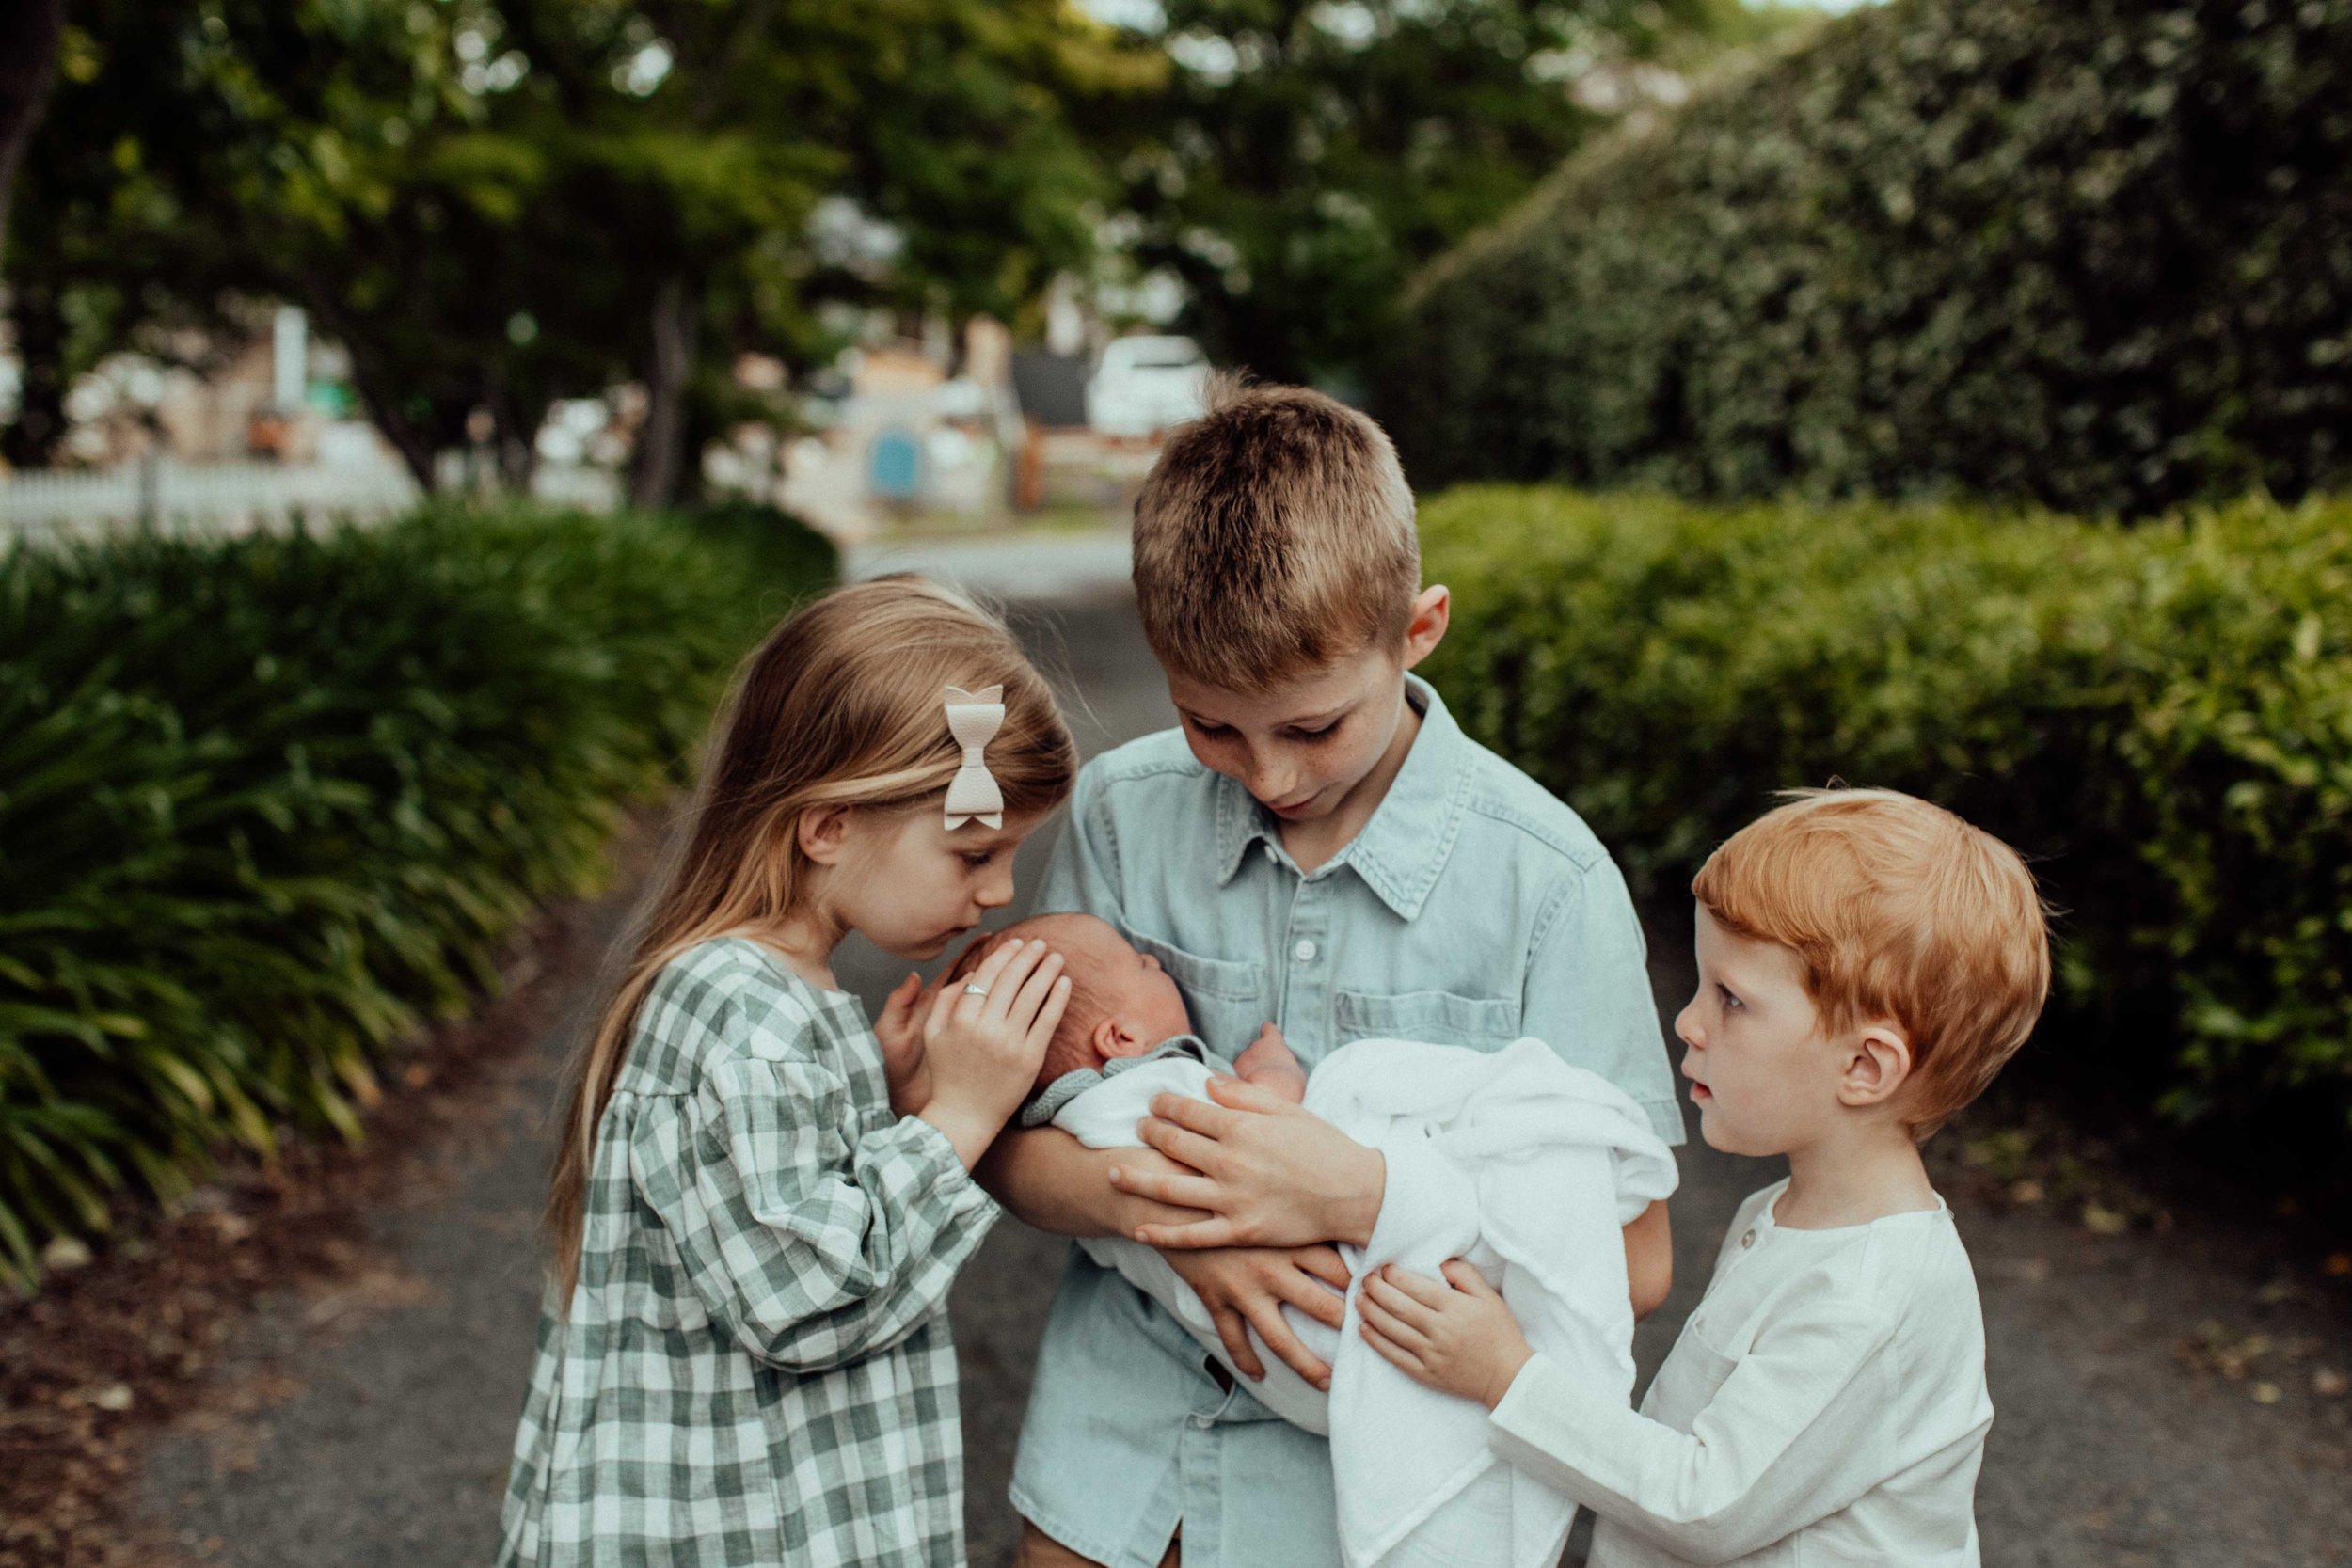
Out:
{"x": 1112, "y": 1039}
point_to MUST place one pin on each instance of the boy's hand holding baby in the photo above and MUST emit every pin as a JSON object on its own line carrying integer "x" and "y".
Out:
{"x": 1269, "y": 1172}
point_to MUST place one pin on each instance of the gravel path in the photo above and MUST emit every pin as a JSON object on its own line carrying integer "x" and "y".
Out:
{"x": 372, "y": 1427}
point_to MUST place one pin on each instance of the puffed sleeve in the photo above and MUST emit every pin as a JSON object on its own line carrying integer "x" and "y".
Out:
{"x": 1794, "y": 1433}
{"x": 1588, "y": 993}
{"x": 813, "y": 1245}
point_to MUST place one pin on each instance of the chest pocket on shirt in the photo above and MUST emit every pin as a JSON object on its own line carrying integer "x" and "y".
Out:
{"x": 1228, "y": 1001}
{"x": 1685, "y": 1384}
{"x": 1438, "y": 1016}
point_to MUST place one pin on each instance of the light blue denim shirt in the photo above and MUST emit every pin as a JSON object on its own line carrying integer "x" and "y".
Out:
{"x": 1472, "y": 908}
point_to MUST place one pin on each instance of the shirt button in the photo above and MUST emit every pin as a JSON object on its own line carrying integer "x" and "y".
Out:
{"x": 1306, "y": 950}
{"x": 1204, "y": 1422}
{"x": 1748, "y": 1239}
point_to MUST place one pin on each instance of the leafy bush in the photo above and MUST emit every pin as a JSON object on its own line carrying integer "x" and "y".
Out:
{"x": 265, "y": 802}
{"x": 2093, "y": 254}
{"x": 2160, "y": 717}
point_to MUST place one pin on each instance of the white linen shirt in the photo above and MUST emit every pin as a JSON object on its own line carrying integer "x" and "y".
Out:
{"x": 1824, "y": 1405}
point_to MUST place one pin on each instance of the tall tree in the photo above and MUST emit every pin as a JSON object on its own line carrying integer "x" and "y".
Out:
{"x": 28, "y": 60}
{"x": 496, "y": 202}
{"x": 1307, "y": 154}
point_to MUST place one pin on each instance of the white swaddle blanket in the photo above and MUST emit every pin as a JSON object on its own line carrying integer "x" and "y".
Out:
{"x": 1524, "y": 1166}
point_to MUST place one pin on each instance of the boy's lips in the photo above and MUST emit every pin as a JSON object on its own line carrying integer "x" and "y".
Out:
{"x": 1700, "y": 1092}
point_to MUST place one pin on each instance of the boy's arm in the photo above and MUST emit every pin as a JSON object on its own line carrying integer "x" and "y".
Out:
{"x": 1649, "y": 1259}
{"x": 1052, "y": 1181}
{"x": 1588, "y": 997}
{"x": 1793, "y": 1435}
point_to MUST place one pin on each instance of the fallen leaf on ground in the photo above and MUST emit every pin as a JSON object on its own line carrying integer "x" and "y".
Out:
{"x": 2329, "y": 1383}
{"x": 2266, "y": 1393}
{"x": 66, "y": 1252}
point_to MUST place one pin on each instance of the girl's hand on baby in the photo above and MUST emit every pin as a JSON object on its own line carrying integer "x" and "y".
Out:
{"x": 1271, "y": 1174}
{"x": 984, "y": 1037}
{"x": 1245, "y": 1288}
{"x": 900, "y": 1030}
{"x": 1455, "y": 1335}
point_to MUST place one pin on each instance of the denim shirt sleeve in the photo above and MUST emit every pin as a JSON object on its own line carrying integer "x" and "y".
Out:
{"x": 1588, "y": 993}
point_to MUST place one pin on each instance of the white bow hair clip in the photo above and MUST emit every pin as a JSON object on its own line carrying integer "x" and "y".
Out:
{"x": 974, "y": 718}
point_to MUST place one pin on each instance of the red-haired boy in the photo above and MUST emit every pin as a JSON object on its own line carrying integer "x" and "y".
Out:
{"x": 1867, "y": 963}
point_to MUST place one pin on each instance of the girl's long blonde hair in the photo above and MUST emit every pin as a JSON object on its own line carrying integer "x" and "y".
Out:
{"x": 842, "y": 704}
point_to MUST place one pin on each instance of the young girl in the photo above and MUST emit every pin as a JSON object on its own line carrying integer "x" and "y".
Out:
{"x": 760, "y": 1203}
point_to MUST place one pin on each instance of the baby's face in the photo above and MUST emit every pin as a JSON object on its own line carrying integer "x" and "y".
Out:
{"x": 1129, "y": 986}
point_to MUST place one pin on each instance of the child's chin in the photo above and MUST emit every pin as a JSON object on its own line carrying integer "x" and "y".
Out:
{"x": 921, "y": 952}
{"x": 1722, "y": 1139}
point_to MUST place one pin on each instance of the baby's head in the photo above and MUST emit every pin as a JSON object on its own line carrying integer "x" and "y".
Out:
{"x": 1862, "y": 953}
{"x": 1122, "y": 1003}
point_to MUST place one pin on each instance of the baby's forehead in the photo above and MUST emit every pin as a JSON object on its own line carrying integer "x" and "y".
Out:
{"x": 1079, "y": 938}
{"x": 1098, "y": 938}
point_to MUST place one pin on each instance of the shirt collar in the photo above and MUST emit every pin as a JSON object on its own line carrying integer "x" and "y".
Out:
{"x": 1400, "y": 852}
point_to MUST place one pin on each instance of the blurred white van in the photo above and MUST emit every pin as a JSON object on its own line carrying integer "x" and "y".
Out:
{"x": 1144, "y": 385}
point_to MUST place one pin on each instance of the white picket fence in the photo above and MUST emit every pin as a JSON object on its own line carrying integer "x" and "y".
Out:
{"x": 212, "y": 497}
{"x": 237, "y": 498}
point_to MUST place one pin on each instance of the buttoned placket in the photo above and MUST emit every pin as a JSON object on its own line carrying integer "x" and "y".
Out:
{"x": 1302, "y": 962}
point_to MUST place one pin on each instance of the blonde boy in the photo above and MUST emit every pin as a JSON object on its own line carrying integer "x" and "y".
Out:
{"x": 1866, "y": 963}
{"x": 1320, "y": 847}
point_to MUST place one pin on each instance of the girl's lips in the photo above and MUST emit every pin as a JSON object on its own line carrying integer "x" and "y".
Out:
{"x": 1699, "y": 1092}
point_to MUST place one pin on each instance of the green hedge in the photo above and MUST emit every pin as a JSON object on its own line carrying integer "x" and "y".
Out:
{"x": 2090, "y": 254}
{"x": 2160, "y": 716}
{"x": 266, "y": 802}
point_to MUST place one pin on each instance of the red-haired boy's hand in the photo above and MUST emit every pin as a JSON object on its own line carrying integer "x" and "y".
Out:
{"x": 1455, "y": 1335}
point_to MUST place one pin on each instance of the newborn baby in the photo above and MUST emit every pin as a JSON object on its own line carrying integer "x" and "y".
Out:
{"x": 1525, "y": 1166}
{"x": 1123, "y": 1011}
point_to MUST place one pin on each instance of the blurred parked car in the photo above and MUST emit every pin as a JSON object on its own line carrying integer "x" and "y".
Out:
{"x": 1144, "y": 385}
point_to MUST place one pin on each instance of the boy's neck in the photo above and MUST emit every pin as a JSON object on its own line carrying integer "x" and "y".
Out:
{"x": 1311, "y": 845}
{"x": 1852, "y": 1180}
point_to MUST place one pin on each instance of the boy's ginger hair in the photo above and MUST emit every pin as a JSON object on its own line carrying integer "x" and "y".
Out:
{"x": 1274, "y": 535}
{"x": 1900, "y": 911}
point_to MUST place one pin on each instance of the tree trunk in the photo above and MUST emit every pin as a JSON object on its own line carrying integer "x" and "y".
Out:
{"x": 377, "y": 396}
{"x": 518, "y": 421}
{"x": 28, "y": 64}
{"x": 661, "y": 456}
{"x": 31, "y": 441}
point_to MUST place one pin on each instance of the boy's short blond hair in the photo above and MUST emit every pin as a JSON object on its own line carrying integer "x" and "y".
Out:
{"x": 1274, "y": 535}
{"x": 1900, "y": 910}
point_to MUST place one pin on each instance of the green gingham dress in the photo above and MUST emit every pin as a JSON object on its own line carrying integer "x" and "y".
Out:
{"x": 755, "y": 1371}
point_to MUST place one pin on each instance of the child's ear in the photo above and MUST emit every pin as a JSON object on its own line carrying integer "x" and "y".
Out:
{"x": 1111, "y": 1038}
{"x": 823, "y": 833}
{"x": 1433, "y": 610}
{"x": 1877, "y": 1066}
